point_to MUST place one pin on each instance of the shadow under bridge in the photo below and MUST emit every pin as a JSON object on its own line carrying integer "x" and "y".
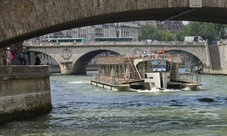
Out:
{"x": 81, "y": 64}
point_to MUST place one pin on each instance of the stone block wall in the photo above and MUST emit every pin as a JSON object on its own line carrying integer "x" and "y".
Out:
{"x": 25, "y": 19}
{"x": 24, "y": 92}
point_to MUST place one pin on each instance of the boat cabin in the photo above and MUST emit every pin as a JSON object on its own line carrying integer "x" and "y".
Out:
{"x": 159, "y": 71}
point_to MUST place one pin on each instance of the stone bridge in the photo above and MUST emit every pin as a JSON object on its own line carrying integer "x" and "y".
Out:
{"x": 25, "y": 19}
{"x": 74, "y": 58}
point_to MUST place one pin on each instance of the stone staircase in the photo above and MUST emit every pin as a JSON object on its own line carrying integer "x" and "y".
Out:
{"x": 215, "y": 58}
{"x": 134, "y": 73}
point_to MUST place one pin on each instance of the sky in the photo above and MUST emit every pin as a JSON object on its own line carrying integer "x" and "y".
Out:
{"x": 185, "y": 22}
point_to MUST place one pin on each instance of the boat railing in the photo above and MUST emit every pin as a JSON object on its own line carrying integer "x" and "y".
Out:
{"x": 120, "y": 59}
{"x": 190, "y": 78}
{"x": 118, "y": 79}
{"x": 169, "y": 57}
{"x": 107, "y": 79}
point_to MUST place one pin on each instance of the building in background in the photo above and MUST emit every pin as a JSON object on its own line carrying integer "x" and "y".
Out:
{"x": 121, "y": 29}
{"x": 170, "y": 25}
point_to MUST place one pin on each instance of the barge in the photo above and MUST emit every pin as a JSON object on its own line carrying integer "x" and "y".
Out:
{"x": 159, "y": 71}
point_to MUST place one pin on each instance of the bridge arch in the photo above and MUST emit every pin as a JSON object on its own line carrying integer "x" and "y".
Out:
{"x": 81, "y": 63}
{"x": 200, "y": 54}
{"x": 34, "y": 54}
{"x": 35, "y": 18}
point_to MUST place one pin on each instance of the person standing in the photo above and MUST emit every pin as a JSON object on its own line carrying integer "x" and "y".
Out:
{"x": 21, "y": 58}
{"x": 8, "y": 56}
{"x": 14, "y": 50}
{"x": 37, "y": 61}
{"x": 23, "y": 48}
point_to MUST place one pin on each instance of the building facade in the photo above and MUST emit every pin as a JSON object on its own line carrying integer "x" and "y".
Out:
{"x": 120, "y": 29}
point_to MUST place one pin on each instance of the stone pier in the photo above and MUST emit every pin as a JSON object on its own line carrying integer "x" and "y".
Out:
{"x": 24, "y": 92}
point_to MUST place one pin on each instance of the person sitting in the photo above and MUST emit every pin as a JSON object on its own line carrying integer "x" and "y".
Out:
{"x": 145, "y": 53}
{"x": 156, "y": 54}
{"x": 163, "y": 51}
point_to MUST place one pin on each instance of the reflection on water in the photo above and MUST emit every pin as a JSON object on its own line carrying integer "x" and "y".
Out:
{"x": 85, "y": 110}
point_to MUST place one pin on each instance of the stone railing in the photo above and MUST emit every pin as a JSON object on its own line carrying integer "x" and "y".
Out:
{"x": 117, "y": 43}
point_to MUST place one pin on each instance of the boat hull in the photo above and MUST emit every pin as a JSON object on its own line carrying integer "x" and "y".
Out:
{"x": 123, "y": 87}
{"x": 192, "y": 87}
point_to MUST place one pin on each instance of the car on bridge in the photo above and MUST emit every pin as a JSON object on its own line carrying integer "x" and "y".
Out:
{"x": 193, "y": 39}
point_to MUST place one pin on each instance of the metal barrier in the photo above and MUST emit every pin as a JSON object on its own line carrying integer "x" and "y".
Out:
{"x": 190, "y": 78}
{"x": 114, "y": 80}
{"x": 119, "y": 59}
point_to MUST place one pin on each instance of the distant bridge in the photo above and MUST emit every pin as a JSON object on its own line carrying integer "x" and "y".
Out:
{"x": 73, "y": 58}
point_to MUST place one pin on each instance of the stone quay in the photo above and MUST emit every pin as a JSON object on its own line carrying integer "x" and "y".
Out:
{"x": 24, "y": 92}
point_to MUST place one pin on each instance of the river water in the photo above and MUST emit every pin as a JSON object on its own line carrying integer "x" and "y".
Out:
{"x": 84, "y": 110}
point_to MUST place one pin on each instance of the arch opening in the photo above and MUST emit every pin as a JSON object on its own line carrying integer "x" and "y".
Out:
{"x": 189, "y": 61}
{"x": 45, "y": 59}
{"x": 80, "y": 66}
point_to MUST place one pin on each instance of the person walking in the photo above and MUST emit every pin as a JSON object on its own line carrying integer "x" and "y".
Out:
{"x": 8, "y": 56}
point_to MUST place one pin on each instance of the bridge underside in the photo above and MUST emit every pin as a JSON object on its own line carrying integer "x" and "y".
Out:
{"x": 12, "y": 35}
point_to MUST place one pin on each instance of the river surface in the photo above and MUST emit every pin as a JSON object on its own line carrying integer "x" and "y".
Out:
{"x": 84, "y": 110}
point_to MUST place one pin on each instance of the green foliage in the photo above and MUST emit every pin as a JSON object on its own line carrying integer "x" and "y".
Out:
{"x": 151, "y": 32}
{"x": 208, "y": 31}
{"x": 166, "y": 36}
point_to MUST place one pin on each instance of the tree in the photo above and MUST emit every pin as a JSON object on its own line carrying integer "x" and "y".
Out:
{"x": 151, "y": 32}
{"x": 166, "y": 36}
{"x": 208, "y": 31}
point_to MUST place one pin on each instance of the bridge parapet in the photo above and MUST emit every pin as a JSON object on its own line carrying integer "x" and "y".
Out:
{"x": 169, "y": 43}
{"x": 222, "y": 43}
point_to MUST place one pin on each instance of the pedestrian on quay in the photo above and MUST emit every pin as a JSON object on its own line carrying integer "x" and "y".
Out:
{"x": 25, "y": 58}
{"x": 9, "y": 56}
{"x": 37, "y": 61}
{"x": 21, "y": 58}
{"x": 23, "y": 48}
{"x": 14, "y": 50}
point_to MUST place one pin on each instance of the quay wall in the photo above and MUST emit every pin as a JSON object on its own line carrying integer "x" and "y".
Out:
{"x": 24, "y": 92}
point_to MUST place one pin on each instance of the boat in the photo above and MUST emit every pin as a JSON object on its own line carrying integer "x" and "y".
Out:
{"x": 123, "y": 72}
